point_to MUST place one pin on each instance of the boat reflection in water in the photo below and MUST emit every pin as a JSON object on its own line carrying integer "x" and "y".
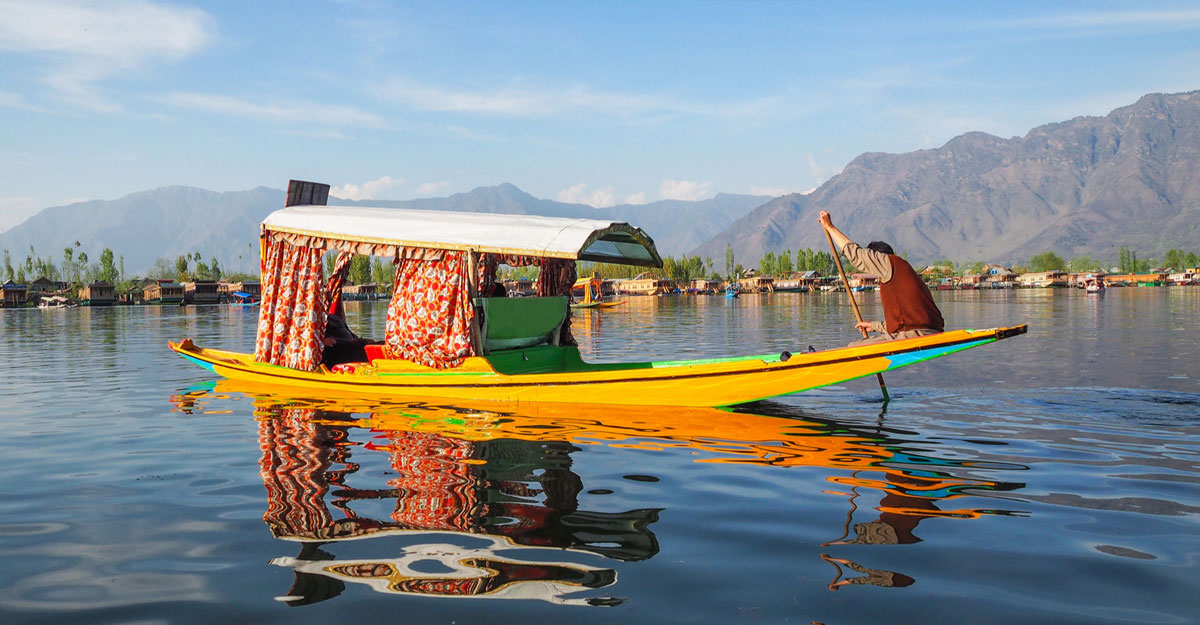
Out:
{"x": 510, "y": 493}
{"x": 471, "y": 487}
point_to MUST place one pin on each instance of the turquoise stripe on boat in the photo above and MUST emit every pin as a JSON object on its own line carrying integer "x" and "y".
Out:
{"x": 902, "y": 360}
{"x": 206, "y": 365}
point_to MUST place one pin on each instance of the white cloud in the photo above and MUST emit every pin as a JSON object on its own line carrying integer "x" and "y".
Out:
{"x": 370, "y": 190}
{"x": 293, "y": 112}
{"x": 83, "y": 44}
{"x": 637, "y": 198}
{"x": 577, "y": 194}
{"x": 14, "y": 210}
{"x": 430, "y": 187}
{"x": 1169, "y": 19}
{"x": 819, "y": 172}
{"x": 685, "y": 190}
{"x": 512, "y": 100}
{"x": 17, "y": 101}
{"x": 771, "y": 191}
{"x": 539, "y": 101}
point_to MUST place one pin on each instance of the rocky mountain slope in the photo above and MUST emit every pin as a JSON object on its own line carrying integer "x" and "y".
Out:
{"x": 1081, "y": 187}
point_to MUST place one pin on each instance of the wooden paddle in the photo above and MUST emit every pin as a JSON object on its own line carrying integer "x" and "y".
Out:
{"x": 837, "y": 260}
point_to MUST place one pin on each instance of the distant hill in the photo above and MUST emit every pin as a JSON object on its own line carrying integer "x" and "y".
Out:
{"x": 1081, "y": 187}
{"x": 170, "y": 221}
{"x": 143, "y": 226}
{"x": 677, "y": 226}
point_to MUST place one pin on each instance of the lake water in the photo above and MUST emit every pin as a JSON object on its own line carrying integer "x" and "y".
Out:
{"x": 1052, "y": 477}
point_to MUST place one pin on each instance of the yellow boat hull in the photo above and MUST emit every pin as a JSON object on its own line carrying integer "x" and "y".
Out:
{"x": 719, "y": 382}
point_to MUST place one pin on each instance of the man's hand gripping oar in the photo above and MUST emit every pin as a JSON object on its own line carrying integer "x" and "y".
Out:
{"x": 827, "y": 225}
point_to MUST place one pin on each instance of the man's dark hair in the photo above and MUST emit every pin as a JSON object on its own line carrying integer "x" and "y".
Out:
{"x": 881, "y": 247}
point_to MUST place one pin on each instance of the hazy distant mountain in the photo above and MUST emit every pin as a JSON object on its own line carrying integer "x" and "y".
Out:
{"x": 1081, "y": 187}
{"x": 143, "y": 226}
{"x": 171, "y": 221}
{"x": 676, "y": 226}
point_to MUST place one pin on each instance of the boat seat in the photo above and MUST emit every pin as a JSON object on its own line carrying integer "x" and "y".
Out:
{"x": 515, "y": 322}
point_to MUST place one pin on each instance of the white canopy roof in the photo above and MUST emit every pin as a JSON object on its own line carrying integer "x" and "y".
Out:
{"x": 527, "y": 235}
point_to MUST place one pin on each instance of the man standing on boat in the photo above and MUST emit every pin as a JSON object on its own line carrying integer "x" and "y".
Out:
{"x": 908, "y": 308}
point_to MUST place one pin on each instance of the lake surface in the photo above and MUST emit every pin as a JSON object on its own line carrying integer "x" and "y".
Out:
{"x": 1052, "y": 477}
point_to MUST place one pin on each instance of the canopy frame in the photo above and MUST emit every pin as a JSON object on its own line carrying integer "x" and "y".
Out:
{"x": 347, "y": 228}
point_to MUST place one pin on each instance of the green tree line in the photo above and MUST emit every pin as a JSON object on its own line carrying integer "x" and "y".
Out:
{"x": 76, "y": 268}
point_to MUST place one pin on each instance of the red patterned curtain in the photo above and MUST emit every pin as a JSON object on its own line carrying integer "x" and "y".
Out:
{"x": 333, "y": 290}
{"x": 556, "y": 276}
{"x": 429, "y": 318}
{"x": 487, "y": 272}
{"x": 290, "y": 321}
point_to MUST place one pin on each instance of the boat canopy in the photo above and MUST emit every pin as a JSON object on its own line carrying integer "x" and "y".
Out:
{"x": 384, "y": 231}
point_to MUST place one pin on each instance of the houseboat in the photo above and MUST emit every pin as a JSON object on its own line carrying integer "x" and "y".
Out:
{"x": 45, "y": 286}
{"x": 519, "y": 287}
{"x": 98, "y": 293}
{"x": 644, "y": 283}
{"x": 800, "y": 282}
{"x": 201, "y": 292}
{"x": 444, "y": 341}
{"x": 14, "y": 294}
{"x": 1043, "y": 279}
{"x": 1136, "y": 279}
{"x": 225, "y": 290}
{"x": 863, "y": 282}
{"x": 163, "y": 291}
{"x": 754, "y": 283}
{"x": 360, "y": 292}
{"x": 1182, "y": 278}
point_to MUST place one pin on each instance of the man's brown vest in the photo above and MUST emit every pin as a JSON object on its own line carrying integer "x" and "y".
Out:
{"x": 907, "y": 302}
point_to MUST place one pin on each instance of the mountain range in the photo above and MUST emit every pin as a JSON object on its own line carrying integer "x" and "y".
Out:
{"x": 1081, "y": 187}
{"x": 171, "y": 221}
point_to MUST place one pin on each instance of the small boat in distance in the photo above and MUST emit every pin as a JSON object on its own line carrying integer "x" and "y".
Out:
{"x": 445, "y": 341}
{"x": 589, "y": 293}
{"x": 241, "y": 298}
{"x": 1092, "y": 284}
{"x": 733, "y": 290}
{"x": 56, "y": 301}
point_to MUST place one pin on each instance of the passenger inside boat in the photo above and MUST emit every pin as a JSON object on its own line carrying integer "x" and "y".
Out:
{"x": 497, "y": 290}
{"x": 342, "y": 345}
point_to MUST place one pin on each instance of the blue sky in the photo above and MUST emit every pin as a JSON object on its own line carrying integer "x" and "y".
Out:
{"x": 601, "y": 103}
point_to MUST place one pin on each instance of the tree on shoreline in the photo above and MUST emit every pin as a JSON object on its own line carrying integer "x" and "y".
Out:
{"x": 1047, "y": 261}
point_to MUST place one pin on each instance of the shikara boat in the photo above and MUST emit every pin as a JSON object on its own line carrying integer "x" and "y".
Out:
{"x": 512, "y": 349}
{"x": 589, "y": 293}
{"x": 241, "y": 298}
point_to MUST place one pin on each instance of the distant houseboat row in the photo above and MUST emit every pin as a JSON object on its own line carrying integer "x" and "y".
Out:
{"x": 54, "y": 294}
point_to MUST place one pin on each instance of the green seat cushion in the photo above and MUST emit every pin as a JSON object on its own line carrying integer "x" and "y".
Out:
{"x": 511, "y": 322}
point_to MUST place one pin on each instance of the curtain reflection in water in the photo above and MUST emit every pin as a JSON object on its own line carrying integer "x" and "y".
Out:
{"x": 509, "y": 492}
{"x": 505, "y": 480}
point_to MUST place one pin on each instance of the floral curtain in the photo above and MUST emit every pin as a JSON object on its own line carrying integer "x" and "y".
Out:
{"x": 429, "y": 318}
{"x": 333, "y": 290}
{"x": 290, "y": 321}
{"x": 556, "y": 276}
